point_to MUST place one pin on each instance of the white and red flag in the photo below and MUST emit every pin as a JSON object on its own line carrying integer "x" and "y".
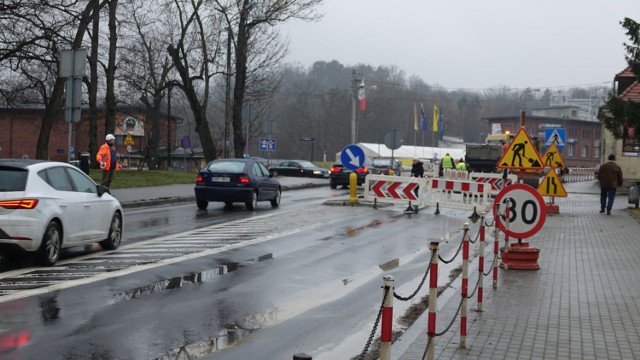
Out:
{"x": 361, "y": 96}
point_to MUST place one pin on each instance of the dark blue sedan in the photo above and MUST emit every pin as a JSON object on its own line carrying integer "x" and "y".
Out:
{"x": 237, "y": 180}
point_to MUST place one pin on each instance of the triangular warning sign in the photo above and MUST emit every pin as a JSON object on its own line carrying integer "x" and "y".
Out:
{"x": 521, "y": 155}
{"x": 551, "y": 185}
{"x": 555, "y": 138}
{"x": 552, "y": 158}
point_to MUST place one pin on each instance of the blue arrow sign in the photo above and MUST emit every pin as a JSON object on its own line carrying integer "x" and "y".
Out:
{"x": 352, "y": 157}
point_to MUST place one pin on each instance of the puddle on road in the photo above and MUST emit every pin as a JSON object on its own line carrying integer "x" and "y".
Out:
{"x": 189, "y": 279}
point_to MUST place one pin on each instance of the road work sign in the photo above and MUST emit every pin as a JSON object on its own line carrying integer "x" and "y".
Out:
{"x": 521, "y": 154}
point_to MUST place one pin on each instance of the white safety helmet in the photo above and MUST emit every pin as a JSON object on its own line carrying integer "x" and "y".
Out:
{"x": 110, "y": 137}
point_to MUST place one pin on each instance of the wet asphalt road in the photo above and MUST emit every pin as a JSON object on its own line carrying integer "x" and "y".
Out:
{"x": 307, "y": 280}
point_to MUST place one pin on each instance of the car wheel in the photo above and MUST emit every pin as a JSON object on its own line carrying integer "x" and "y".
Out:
{"x": 252, "y": 204}
{"x": 202, "y": 204}
{"x": 332, "y": 184}
{"x": 51, "y": 244}
{"x": 115, "y": 233}
{"x": 276, "y": 201}
{"x": 228, "y": 204}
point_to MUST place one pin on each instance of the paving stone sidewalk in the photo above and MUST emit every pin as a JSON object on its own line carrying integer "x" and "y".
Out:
{"x": 583, "y": 303}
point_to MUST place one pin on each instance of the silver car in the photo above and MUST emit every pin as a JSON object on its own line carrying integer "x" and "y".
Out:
{"x": 46, "y": 206}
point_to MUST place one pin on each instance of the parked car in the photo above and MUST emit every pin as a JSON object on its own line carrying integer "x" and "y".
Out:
{"x": 339, "y": 175}
{"x": 384, "y": 167}
{"x": 46, "y": 206}
{"x": 300, "y": 168}
{"x": 237, "y": 180}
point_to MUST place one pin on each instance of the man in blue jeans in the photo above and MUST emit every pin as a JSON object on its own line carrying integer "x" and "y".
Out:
{"x": 610, "y": 178}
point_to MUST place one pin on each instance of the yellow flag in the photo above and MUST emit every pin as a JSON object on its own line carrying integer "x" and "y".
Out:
{"x": 436, "y": 116}
{"x": 415, "y": 117}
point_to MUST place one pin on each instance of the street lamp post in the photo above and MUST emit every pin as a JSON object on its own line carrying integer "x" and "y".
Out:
{"x": 356, "y": 82}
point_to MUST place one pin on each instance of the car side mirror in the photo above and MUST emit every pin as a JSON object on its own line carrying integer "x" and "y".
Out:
{"x": 102, "y": 190}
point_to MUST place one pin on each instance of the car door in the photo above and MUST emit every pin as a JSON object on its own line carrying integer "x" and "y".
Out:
{"x": 286, "y": 169}
{"x": 266, "y": 190}
{"x": 70, "y": 204}
{"x": 96, "y": 209}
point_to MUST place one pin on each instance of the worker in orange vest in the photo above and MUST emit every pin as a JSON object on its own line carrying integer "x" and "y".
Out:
{"x": 108, "y": 159}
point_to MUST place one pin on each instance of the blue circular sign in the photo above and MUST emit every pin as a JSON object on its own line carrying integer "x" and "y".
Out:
{"x": 352, "y": 157}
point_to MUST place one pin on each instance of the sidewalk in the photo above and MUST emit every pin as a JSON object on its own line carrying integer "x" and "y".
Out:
{"x": 581, "y": 304}
{"x": 181, "y": 193}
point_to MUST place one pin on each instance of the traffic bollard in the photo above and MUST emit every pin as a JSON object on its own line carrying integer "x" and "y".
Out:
{"x": 386, "y": 328}
{"x": 353, "y": 188}
{"x": 496, "y": 246}
{"x": 433, "y": 295}
{"x": 481, "y": 263}
{"x": 465, "y": 286}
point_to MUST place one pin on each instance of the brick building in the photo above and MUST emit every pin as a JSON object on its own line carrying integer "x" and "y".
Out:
{"x": 582, "y": 148}
{"x": 19, "y": 130}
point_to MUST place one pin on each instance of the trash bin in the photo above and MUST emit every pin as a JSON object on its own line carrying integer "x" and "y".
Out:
{"x": 84, "y": 162}
{"x": 634, "y": 194}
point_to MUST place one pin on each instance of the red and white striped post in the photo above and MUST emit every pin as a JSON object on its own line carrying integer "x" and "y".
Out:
{"x": 481, "y": 264}
{"x": 386, "y": 327}
{"x": 465, "y": 286}
{"x": 505, "y": 254}
{"x": 496, "y": 245}
{"x": 433, "y": 295}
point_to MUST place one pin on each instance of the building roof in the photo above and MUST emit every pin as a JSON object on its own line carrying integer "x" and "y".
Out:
{"x": 626, "y": 73}
{"x": 632, "y": 93}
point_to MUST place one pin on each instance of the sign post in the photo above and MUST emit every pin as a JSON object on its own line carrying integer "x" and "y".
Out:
{"x": 519, "y": 211}
{"x": 352, "y": 157}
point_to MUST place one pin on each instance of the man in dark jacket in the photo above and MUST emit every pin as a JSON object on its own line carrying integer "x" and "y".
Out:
{"x": 610, "y": 178}
{"x": 417, "y": 169}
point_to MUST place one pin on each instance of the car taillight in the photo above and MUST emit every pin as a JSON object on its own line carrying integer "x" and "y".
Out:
{"x": 335, "y": 169}
{"x": 362, "y": 170}
{"x": 244, "y": 180}
{"x": 199, "y": 179}
{"x": 19, "y": 204}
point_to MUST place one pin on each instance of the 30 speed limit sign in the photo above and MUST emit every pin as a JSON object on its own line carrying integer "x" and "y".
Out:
{"x": 527, "y": 210}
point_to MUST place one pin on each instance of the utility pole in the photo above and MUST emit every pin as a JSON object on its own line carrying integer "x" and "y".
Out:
{"x": 356, "y": 81}
{"x": 227, "y": 99}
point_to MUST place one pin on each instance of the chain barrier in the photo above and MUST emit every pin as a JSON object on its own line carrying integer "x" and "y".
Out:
{"x": 476, "y": 239}
{"x": 474, "y": 289}
{"x": 457, "y": 251}
{"x": 493, "y": 263}
{"x": 375, "y": 326}
{"x": 424, "y": 278}
{"x": 452, "y": 321}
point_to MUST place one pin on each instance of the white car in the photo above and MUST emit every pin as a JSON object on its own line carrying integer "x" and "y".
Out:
{"x": 46, "y": 206}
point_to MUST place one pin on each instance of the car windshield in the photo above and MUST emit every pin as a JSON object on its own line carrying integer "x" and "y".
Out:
{"x": 306, "y": 164}
{"x": 12, "y": 179}
{"x": 381, "y": 162}
{"x": 234, "y": 167}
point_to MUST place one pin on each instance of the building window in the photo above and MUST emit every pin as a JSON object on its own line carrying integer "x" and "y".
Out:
{"x": 596, "y": 152}
{"x": 585, "y": 151}
{"x": 571, "y": 150}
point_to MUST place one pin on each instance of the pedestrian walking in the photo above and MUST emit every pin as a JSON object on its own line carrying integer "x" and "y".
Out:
{"x": 610, "y": 178}
{"x": 107, "y": 157}
{"x": 417, "y": 168}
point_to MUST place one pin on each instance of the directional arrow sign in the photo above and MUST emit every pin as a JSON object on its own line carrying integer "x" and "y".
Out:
{"x": 352, "y": 157}
{"x": 395, "y": 190}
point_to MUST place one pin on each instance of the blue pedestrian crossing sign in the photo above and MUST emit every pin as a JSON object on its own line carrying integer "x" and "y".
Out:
{"x": 267, "y": 144}
{"x": 352, "y": 157}
{"x": 555, "y": 136}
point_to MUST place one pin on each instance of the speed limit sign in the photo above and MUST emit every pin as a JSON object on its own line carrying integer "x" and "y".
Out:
{"x": 527, "y": 210}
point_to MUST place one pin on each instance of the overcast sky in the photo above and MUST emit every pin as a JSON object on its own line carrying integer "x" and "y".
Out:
{"x": 472, "y": 44}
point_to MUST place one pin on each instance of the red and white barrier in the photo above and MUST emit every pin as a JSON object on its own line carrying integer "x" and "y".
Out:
{"x": 457, "y": 194}
{"x": 494, "y": 180}
{"x": 394, "y": 189}
{"x": 386, "y": 327}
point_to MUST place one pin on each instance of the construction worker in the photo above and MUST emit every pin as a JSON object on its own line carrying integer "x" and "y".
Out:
{"x": 446, "y": 163}
{"x": 461, "y": 165}
{"x": 107, "y": 157}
